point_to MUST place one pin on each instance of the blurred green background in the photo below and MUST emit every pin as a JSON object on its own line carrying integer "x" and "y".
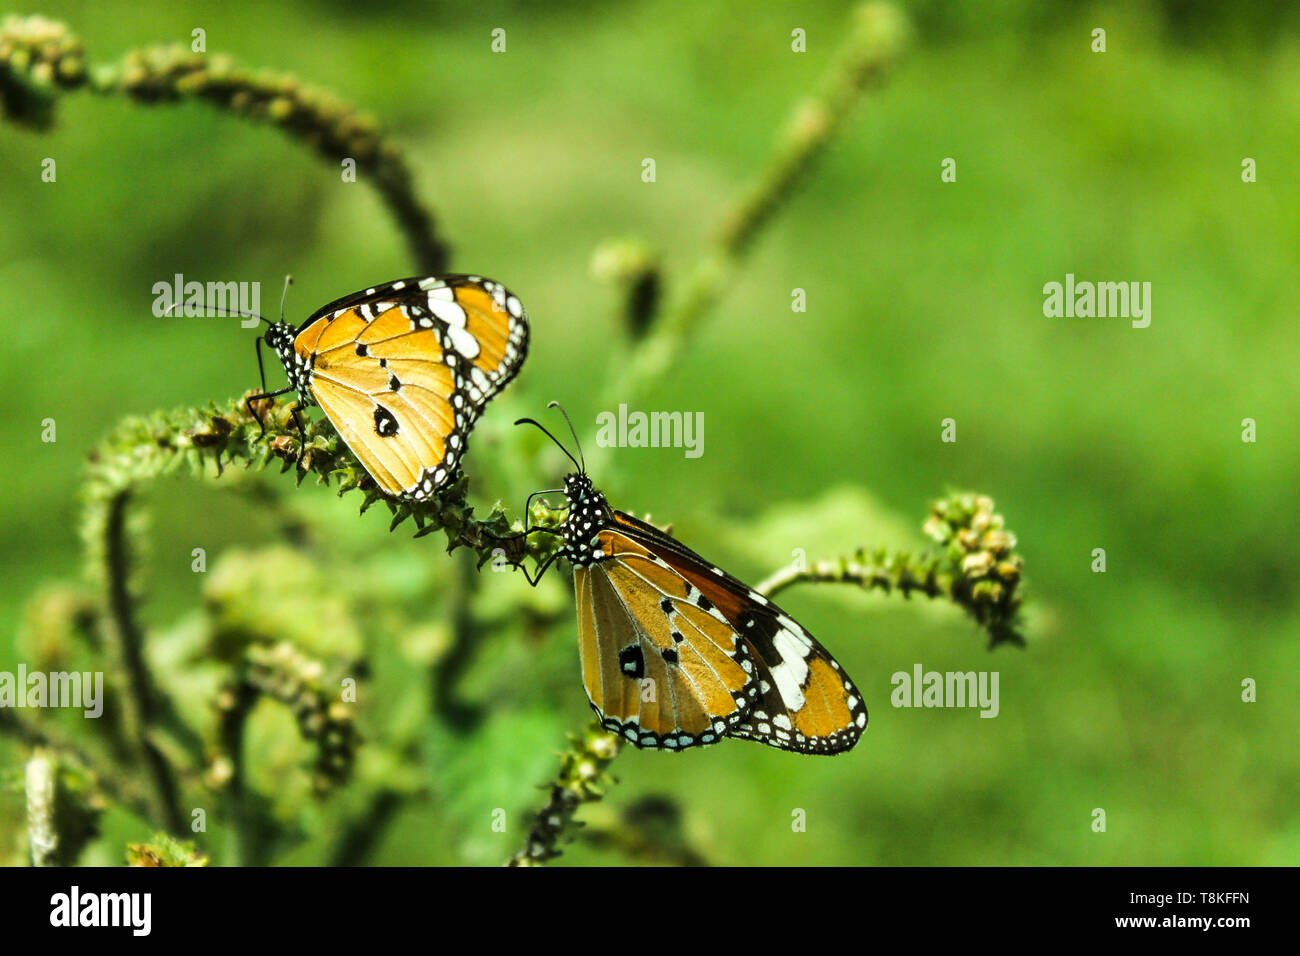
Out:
{"x": 822, "y": 429}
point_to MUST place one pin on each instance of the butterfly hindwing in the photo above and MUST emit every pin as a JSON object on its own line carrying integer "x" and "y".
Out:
{"x": 806, "y": 701}
{"x": 404, "y": 369}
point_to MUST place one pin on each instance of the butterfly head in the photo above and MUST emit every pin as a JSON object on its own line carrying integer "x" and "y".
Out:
{"x": 589, "y": 512}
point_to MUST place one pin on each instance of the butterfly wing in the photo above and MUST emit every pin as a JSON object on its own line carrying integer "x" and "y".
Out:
{"x": 805, "y": 701}
{"x": 658, "y": 669}
{"x": 403, "y": 370}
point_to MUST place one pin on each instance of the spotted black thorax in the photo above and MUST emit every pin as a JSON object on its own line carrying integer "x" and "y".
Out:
{"x": 589, "y": 512}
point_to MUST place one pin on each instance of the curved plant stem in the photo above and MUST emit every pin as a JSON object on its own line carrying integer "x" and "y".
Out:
{"x": 41, "y": 59}
{"x": 876, "y": 40}
{"x": 142, "y": 699}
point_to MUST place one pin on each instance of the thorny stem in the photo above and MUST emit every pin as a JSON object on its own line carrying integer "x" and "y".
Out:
{"x": 850, "y": 571}
{"x": 887, "y": 573}
{"x": 140, "y": 450}
{"x": 976, "y": 567}
{"x": 582, "y": 779}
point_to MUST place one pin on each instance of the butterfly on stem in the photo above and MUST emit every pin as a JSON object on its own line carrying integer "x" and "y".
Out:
{"x": 403, "y": 370}
{"x": 676, "y": 652}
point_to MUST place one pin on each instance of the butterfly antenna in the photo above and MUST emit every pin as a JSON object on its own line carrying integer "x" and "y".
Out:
{"x": 572, "y": 431}
{"x": 533, "y": 421}
{"x": 213, "y": 308}
{"x": 288, "y": 281}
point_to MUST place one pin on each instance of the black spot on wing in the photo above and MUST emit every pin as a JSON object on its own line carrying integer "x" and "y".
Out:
{"x": 385, "y": 422}
{"x": 632, "y": 662}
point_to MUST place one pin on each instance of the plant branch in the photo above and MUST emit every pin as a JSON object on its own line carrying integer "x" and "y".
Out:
{"x": 287, "y": 675}
{"x": 451, "y": 667}
{"x": 117, "y": 788}
{"x": 190, "y": 439}
{"x": 877, "y": 37}
{"x": 233, "y": 704}
{"x": 582, "y": 779}
{"x": 42, "y": 834}
{"x": 976, "y": 569}
{"x": 41, "y": 59}
{"x": 875, "y": 43}
{"x": 141, "y": 701}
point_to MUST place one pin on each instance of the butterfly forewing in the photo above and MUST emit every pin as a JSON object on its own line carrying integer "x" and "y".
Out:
{"x": 805, "y": 702}
{"x": 404, "y": 369}
{"x": 658, "y": 670}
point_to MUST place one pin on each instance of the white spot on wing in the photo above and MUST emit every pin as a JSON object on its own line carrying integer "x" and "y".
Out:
{"x": 449, "y": 312}
{"x": 462, "y": 341}
{"x": 792, "y": 672}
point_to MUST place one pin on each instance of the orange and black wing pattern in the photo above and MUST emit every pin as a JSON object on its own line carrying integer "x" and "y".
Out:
{"x": 403, "y": 370}
{"x": 804, "y": 700}
{"x": 658, "y": 668}
{"x": 677, "y": 653}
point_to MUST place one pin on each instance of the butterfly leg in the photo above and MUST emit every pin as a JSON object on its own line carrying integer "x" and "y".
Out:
{"x": 257, "y": 398}
{"x": 535, "y": 578}
{"x": 528, "y": 517}
{"x": 529, "y": 529}
{"x": 295, "y": 410}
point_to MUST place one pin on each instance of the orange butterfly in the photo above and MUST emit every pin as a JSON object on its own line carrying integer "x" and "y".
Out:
{"x": 677, "y": 653}
{"x": 403, "y": 370}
